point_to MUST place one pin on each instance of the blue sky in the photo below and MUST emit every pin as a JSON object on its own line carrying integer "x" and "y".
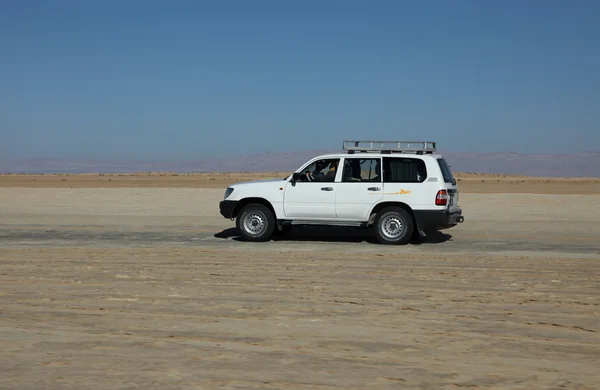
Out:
{"x": 179, "y": 80}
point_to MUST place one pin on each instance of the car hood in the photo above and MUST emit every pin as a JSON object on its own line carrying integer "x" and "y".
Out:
{"x": 254, "y": 182}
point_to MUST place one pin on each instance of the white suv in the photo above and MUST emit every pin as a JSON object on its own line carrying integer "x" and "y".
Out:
{"x": 396, "y": 188}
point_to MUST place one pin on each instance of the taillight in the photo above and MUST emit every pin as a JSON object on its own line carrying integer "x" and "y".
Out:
{"x": 441, "y": 199}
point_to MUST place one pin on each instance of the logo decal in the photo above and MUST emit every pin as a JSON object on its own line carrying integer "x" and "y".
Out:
{"x": 401, "y": 192}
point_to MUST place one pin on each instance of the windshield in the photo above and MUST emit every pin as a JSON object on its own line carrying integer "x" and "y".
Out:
{"x": 446, "y": 171}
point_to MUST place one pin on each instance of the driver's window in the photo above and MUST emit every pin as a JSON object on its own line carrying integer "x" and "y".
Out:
{"x": 318, "y": 167}
{"x": 320, "y": 170}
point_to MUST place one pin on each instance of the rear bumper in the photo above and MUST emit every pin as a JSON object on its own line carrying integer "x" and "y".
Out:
{"x": 438, "y": 219}
{"x": 227, "y": 208}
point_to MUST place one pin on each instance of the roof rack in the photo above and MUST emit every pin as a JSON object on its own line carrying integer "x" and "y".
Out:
{"x": 418, "y": 147}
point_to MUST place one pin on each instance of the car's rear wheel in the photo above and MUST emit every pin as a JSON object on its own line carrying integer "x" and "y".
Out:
{"x": 393, "y": 226}
{"x": 255, "y": 222}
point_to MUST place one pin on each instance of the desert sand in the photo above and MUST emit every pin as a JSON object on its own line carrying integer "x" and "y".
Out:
{"x": 136, "y": 281}
{"x": 469, "y": 182}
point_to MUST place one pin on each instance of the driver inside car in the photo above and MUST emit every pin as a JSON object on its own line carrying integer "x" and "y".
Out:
{"x": 318, "y": 175}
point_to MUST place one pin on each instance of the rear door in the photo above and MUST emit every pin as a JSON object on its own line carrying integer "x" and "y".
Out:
{"x": 450, "y": 184}
{"x": 360, "y": 188}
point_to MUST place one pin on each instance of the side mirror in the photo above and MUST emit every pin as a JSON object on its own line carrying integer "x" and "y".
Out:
{"x": 295, "y": 177}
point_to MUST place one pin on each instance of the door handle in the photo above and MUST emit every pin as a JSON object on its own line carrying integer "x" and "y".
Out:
{"x": 373, "y": 188}
{"x": 326, "y": 188}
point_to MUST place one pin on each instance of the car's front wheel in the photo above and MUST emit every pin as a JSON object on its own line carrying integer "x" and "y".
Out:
{"x": 393, "y": 225}
{"x": 255, "y": 222}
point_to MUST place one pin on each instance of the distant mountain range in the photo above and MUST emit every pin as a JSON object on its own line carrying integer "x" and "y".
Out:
{"x": 583, "y": 164}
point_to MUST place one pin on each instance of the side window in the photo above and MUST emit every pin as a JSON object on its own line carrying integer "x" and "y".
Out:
{"x": 361, "y": 169}
{"x": 404, "y": 170}
{"x": 320, "y": 171}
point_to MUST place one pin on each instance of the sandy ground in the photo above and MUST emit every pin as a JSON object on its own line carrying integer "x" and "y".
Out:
{"x": 469, "y": 182}
{"x": 123, "y": 285}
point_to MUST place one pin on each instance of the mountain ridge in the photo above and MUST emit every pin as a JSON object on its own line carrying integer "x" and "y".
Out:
{"x": 578, "y": 164}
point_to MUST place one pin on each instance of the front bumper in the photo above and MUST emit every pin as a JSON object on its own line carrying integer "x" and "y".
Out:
{"x": 227, "y": 208}
{"x": 438, "y": 219}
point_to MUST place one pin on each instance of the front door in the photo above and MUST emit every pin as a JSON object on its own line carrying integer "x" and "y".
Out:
{"x": 313, "y": 196}
{"x": 360, "y": 189}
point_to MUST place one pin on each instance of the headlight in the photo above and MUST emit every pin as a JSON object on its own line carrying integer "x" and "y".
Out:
{"x": 228, "y": 192}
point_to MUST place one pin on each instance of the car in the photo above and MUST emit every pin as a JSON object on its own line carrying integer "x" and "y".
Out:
{"x": 395, "y": 189}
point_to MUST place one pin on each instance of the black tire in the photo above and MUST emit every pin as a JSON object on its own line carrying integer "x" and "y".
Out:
{"x": 255, "y": 222}
{"x": 393, "y": 226}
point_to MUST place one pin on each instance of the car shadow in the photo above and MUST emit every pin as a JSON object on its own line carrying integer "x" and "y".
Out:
{"x": 334, "y": 234}
{"x": 436, "y": 237}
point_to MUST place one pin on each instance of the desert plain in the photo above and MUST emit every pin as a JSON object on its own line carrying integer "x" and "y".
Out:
{"x": 137, "y": 282}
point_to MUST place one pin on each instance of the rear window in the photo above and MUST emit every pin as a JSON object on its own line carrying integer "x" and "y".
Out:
{"x": 446, "y": 171}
